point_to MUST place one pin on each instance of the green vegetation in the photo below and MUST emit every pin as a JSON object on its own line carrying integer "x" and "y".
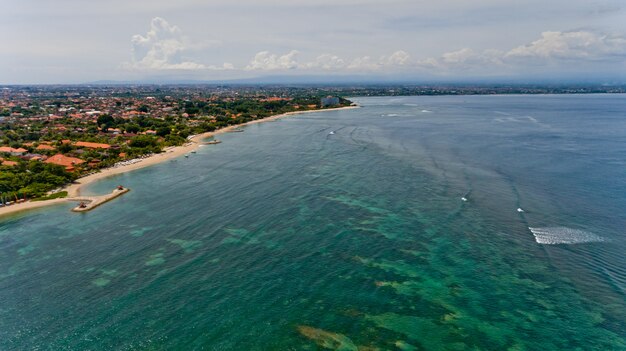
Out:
{"x": 59, "y": 195}
{"x": 31, "y": 179}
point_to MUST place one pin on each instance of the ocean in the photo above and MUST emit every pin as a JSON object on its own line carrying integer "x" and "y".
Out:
{"x": 419, "y": 223}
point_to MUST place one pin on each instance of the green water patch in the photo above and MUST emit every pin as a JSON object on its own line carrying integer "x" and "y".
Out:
{"x": 187, "y": 246}
{"x": 155, "y": 259}
{"x": 105, "y": 277}
{"x": 473, "y": 297}
{"x": 430, "y": 335}
{"x": 404, "y": 346}
{"x": 101, "y": 281}
{"x": 328, "y": 340}
{"x": 110, "y": 272}
{"x": 26, "y": 250}
{"x": 247, "y": 237}
{"x": 390, "y": 226}
{"x": 137, "y": 233}
{"x": 356, "y": 203}
{"x": 240, "y": 236}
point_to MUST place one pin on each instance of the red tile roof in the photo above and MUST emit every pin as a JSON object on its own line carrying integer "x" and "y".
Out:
{"x": 11, "y": 150}
{"x": 92, "y": 145}
{"x": 45, "y": 147}
{"x": 63, "y": 160}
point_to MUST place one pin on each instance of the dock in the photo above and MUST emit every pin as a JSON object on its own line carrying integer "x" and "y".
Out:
{"x": 88, "y": 203}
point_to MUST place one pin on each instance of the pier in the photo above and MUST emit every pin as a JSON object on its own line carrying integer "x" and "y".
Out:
{"x": 88, "y": 203}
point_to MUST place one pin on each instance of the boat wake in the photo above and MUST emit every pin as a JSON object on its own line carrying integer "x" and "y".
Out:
{"x": 563, "y": 235}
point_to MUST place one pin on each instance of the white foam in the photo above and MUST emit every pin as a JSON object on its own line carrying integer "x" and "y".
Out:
{"x": 563, "y": 235}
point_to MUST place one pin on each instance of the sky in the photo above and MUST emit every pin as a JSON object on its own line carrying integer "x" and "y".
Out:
{"x": 77, "y": 41}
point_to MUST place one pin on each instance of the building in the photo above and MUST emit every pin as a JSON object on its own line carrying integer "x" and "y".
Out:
{"x": 12, "y": 151}
{"x": 65, "y": 161}
{"x": 45, "y": 147}
{"x": 92, "y": 145}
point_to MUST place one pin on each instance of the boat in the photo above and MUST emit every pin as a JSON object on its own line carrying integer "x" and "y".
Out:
{"x": 186, "y": 155}
{"x": 520, "y": 210}
{"x": 193, "y": 152}
{"x": 463, "y": 199}
{"x": 331, "y": 132}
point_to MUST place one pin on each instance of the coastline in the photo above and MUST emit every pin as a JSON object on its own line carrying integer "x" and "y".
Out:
{"x": 74, "y": 189}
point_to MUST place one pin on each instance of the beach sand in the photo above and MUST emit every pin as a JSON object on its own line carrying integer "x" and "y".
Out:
{"x": 74, "y": 189}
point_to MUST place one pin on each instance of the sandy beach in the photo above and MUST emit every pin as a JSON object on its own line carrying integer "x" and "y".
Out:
{"x": 74, "y": 189}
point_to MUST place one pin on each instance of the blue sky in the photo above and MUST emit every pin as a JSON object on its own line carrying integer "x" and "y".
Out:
{"x": 72, "y": 41}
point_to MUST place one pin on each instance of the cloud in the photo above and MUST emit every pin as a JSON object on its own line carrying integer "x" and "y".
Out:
{"x": 266, "y": 61}
{"x": 363, "y": 63}
{"x": 162, "y": 48}
{"x": 327, "y": 62}
{"x": 366, "y": 63}
{"x": 579, "y": 45}
{"x": 398, "y": 58}
{"x": 552, "y": 48}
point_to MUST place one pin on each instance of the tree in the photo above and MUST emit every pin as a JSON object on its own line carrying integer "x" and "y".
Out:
{"x": 163, "y": 131}
{"x": 106, "y": 121}
{"x": 132, "y": 128}
{"x": 142, "y": 141}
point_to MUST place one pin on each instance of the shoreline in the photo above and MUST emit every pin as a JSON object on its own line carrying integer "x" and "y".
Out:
{"x": 74, "y": 189}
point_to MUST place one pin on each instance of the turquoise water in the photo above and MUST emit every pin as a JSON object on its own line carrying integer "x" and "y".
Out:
{"x": 286, "y": 237}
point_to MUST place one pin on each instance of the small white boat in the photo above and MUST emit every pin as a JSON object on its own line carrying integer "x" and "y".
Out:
{"x": 519, "y": 209}
{"x": 193, "y": 152}
{"x": 331, "y": 132}
{"x": 187, "y": 155}
{"x": 464, "y": 199}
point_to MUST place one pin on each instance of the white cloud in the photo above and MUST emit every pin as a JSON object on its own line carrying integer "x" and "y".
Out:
{"x": 327, "y": 62}
{"x": 579, "y": 45}
{"x": 366, "y": 63}
{"x": 266, "y": 61}
{"x": 398, "y": 58}
{"x": 560, "y": 48}
{"x": 162, "y": 48}
{"x": 363, "y": 63}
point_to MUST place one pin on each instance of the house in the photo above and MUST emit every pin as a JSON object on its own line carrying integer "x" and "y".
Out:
{"x": 44, "y": 147}
{"x": 9, "y": 163}
{"x": 92, "y": 145}
{"x": 65, "y": 161}
{"x": 12, "y": 151}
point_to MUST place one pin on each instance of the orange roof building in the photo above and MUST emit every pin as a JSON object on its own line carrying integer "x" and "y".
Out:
{"x": 12, "y": 150}
{"x": 9, "y": 163}
{"x": 65, "y": 161}
{"x": 92, "y": 145}
{"x": 45, "y": 147}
